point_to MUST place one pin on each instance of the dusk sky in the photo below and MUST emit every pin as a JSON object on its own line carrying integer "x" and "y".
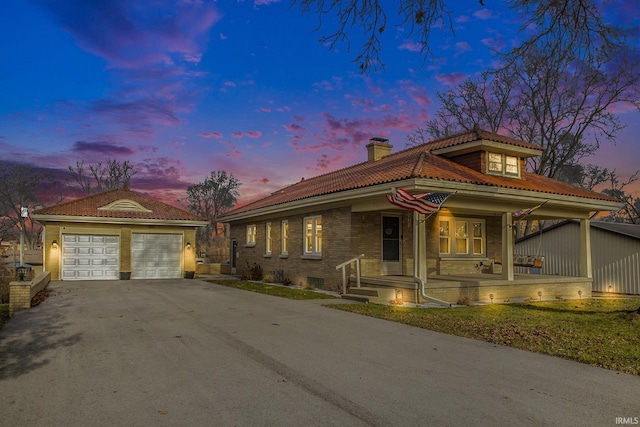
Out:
{"x": 181, "y": 88}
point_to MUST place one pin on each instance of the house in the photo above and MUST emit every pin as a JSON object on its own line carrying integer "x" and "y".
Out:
{"x": 118, "y": 234}
{"x": 615, "y": 252}
{"x": 307, "y": 231}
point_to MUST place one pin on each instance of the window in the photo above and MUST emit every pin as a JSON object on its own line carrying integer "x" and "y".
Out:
{"x": 268, "y": 241}
{"x": 285, "y": 237}
{"x": 445, "y": 247}
{"x": 251, "y": 235}
{"x": 502, "y": 164}
{"x": 468, "y": 237}
{"x": 313, "y": 235}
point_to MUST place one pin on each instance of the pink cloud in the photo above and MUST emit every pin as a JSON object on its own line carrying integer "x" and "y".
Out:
{"x": 237, "y": 134}
{"x": 217, "y": 135}
{"x": 483, "y": 14}
{"x": 451, "y": 79}
{"x": 462, "y": 47}
{"x": 265, "y": 109}
{"x": 326, "y": 85}
{"x": 252, "y": 134}
{"x": 411, "y": 46}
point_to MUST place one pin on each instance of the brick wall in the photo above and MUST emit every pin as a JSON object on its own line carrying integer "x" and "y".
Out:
{"x": 336, "y": 248}
{"x": 21, "y": 293}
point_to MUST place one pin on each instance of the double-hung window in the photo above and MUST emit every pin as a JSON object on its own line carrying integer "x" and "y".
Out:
{"x": 268, "y": 240}
{"x": 251, "y": 235}
{"x": 460, "y": 237}
{"x": 285, "y": 237}
{"x": 503, "y": 164}
{"x": 313, "y": 235}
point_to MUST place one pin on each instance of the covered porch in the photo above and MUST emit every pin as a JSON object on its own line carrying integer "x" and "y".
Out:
{"x": 469, "y": 288}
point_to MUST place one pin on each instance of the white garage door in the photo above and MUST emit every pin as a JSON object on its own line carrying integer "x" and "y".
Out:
{"x": 156, "y": 256}
{"x": 90, "y": 257}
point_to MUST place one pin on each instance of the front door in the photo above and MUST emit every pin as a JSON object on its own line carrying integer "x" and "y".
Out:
{"x": 391, "y": 245}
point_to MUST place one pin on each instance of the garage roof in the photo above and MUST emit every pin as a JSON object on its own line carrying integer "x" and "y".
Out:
{"x": 122, "y": 203}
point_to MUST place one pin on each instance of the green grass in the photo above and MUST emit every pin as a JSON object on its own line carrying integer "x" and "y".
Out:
{"x": 275, "y": 290}
{"x": 600, "y": 332}
{"x": 4, "y": 314}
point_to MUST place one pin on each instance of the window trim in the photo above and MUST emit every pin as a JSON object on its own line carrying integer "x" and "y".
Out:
{"x": 503, "y": 165}
{"x": 250, "y": 238}
{"x": 284, "y": 238}
{"x": 268, "y": 239}
{"x": 315, "y": 239}
{"x": 453, "y": 221}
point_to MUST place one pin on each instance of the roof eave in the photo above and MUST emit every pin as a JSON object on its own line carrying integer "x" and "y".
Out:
{"x": 118, "y": 221}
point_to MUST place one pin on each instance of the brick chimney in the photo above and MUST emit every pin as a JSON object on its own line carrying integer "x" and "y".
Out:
{"x": 378, "y": 148}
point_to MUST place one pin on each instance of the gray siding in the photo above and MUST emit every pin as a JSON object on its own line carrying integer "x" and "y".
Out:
{"x": 615, "y": 257}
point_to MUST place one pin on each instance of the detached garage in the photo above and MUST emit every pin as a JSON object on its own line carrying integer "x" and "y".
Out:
{"x": 118, "y": 234}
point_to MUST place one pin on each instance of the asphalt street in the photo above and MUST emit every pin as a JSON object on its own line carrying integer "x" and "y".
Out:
{"x": 192, "y": 353}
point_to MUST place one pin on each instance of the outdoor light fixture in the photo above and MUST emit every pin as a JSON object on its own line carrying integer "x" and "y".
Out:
{"x": 54, "y": 244}
{"x": 491, "y": 296}
{"x": 188, "y": 245}
{"x": 399, "y": 298}
{"x": 540, "y": 295}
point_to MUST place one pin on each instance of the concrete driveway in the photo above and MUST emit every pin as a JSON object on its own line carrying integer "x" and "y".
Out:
{"x": 187, "y": 352}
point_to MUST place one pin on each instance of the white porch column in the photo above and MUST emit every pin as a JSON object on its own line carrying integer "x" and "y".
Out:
{"x": 585, "y": 249}
{"x": 419, "y": 247}
{"x": 507, "y": 246}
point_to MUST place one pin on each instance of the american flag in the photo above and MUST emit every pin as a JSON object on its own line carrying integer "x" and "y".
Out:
{"x": 524, "y": 212}
{"x": 422, "y": 203}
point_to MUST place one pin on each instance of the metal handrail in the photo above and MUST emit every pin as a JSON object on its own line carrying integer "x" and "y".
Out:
{"x": 344, "y": 272}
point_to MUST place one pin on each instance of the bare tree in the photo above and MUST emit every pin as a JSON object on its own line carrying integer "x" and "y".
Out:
{"x": 580, "y": 21}
{"x": 549, "y": 97}
{"x": 211, "y": 199}
{"x": 630, "y": 213}
{"x": 101, "y": 177}
{"x": 24, "y": 187}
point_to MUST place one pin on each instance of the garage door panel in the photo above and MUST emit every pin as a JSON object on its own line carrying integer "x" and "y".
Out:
{"x": 90, "y": 257}
{"x": 156, "y": 256}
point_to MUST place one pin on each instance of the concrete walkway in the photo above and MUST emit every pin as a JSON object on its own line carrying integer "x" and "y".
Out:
{"x": 190, "y": 353}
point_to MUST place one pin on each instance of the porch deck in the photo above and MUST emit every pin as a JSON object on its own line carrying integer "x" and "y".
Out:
{"x": 484, "y": 287}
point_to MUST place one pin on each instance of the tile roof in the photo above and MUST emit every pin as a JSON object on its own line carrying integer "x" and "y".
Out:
{"x": 418, "y": 162}
{"x": 89, "y": 207}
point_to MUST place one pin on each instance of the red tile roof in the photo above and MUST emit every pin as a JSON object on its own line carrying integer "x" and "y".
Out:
{"x": 89, "y": 207}
{"x": 418, "y": 162}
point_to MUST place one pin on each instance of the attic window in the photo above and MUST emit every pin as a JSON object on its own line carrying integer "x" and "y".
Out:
{"x": 503, "y": 164}
{"x": 124, "y": 205}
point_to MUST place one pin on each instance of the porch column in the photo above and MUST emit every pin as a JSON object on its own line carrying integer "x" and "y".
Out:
{"x": 419, "y": 246}
{"x": 585, "y": 249}
{"x": 507, "y": 246}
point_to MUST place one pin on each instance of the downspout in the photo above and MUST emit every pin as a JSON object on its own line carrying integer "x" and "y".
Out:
{"x": 416, "y": 256}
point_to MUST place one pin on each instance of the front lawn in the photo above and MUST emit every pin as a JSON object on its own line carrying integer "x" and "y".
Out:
{"x": 275, "y": 290}
{"x": 600, "y": 332}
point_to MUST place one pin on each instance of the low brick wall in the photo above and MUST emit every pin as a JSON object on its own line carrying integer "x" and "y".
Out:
{"x": 21, "y": 293}
{"x": 208, "y": 269}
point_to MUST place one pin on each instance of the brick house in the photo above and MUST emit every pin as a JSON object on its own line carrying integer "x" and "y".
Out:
{"x": 304, "y": 231}
{"x": 118, "y": 234}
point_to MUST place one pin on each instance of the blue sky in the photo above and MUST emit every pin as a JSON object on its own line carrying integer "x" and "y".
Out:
{"x": 180, "y": 88}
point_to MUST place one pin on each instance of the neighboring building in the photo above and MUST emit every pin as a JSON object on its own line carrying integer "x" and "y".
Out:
{"x": 615, "y": 252}
{"x": 306, "y": 230}
{"x": 118, "y": 234}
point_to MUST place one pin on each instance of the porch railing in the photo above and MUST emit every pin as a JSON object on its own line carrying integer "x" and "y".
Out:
{"x": 344, "y": 265}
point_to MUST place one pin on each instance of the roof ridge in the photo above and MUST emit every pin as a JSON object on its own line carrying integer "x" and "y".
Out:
{"x": 417, "y": 168}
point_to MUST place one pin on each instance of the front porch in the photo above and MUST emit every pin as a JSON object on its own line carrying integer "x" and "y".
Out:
{"x": 470, "y": 288}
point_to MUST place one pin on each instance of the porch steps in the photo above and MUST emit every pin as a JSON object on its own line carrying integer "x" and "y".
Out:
{"x": 367, "y": 294}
